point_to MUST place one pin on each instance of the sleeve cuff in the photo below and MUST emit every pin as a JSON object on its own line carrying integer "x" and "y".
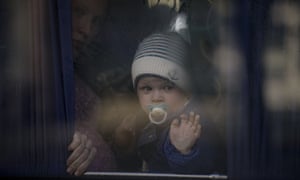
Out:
{"x": 174, "y": 156}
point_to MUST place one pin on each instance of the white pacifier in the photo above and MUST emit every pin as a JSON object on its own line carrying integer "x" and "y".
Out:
{"x": 158, "y": 113}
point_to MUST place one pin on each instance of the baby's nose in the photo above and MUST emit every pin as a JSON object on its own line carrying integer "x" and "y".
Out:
{"x": 157, "y": 96}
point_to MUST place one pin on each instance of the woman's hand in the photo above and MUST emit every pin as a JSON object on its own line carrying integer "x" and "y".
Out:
{"x": 184, "y": 133}
{"x": 83, "y": 153}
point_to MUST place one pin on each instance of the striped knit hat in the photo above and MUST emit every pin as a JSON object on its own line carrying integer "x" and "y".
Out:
{"x": 163, "y": 55}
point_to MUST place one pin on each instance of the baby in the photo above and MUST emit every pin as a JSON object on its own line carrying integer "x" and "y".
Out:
{"x": 175, "y": 140}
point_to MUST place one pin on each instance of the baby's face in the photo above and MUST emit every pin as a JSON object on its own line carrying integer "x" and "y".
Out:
{"x": 154, "y": 91}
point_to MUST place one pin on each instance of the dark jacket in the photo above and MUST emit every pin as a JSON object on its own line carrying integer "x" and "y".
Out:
{"x": 207, "y": 156}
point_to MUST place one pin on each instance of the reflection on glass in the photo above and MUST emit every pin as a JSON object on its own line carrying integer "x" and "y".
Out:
{"x": 282, "y": 66}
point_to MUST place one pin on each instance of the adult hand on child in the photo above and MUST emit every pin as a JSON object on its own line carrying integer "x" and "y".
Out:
{"x": 83, "y": 153}
{"x": 184, "y": 133}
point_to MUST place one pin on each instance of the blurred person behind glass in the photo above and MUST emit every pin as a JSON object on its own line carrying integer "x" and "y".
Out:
{"x": 89, "y": 151}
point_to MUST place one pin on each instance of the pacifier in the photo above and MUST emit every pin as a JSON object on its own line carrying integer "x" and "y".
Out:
{"x": 157, "y": 113}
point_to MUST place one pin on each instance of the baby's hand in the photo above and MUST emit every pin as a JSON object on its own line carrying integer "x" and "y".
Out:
{"x": 184, "y": 134}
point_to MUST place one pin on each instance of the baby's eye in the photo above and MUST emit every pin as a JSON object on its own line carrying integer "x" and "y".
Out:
{"x": 145, "y": 89}
{"x": 168, "y": 88}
